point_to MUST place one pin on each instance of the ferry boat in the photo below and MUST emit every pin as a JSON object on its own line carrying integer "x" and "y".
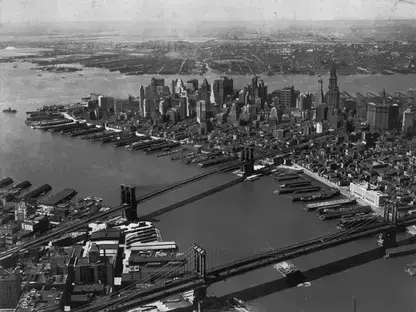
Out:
{"x": 286, "y": 268}
{"x": 252, "y": 177}
{"x": 9, "y": 110}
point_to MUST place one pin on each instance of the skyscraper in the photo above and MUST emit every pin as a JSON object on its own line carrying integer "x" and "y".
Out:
{"x": 141, "y": 99}
{"x": 319, "y": 97}
{"x": 332, "y": 95}
{"x": 204, "y": 91}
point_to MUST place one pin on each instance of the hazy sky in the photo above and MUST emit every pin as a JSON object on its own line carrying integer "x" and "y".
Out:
{"x": 197, "y": 10}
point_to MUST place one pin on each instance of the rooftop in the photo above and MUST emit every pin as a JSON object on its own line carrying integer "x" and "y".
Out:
{"x": 40, "y": 300}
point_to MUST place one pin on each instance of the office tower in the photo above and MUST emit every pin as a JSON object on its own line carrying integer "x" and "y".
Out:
{"x": 305, "y": 102}
{"x": 119, "y": 106}
{"x": 408, "y": 124}
{"x": 147, "y": 105}
{"x": 157, "y": 85}
{"x": 394, "y": 122}
{"x": 319, "y": 96}
{"x": 200, "y": 110}
{"x": 332, "y": 95}
{"x": 288, "y": 97}
{"x": 204, "y": 91}
{"x": 183, "y": 107}
{"x": 141, "y": 100}
{"x": 378, "y": 115}
{"x": 213, "y": 98}
{"x": 192, "y": 85}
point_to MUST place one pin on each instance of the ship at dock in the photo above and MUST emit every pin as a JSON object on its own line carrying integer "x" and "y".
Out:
{"x": 331, "y": 214}
{"x": 5, "y": 182}
{"x": 296, "y": 184}
{"x": 286, "y": 177}
{"x": 317, "y": 196}
{"x": 38, "y": 192}
{"x": 315, "y": 206}
{"x": 298, "y": 190}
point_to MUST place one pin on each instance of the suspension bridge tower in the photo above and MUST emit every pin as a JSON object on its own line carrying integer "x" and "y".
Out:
{"x": 388, "y": 239}
{"x": 200, "y": 268}
{"x": 247, "y": 156}
{"x": 128, "y": 199}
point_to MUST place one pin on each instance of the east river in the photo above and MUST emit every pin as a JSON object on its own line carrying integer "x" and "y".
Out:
{"x": 237, "y": 222}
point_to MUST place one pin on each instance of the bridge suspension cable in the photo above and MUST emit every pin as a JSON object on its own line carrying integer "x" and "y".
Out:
{"x": 360, "y": 224}
{"x": 308, "y": 243}
{"x": 176, "y": 267}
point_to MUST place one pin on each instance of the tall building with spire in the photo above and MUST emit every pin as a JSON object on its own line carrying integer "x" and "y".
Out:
{"x": 332, "y": 95}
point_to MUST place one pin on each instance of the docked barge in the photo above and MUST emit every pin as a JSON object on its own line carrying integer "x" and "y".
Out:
{"x": 344, "y": 212}
{"x": 127, "y": 141}
{"x": 341, "y": 202}
{"x": 298, "y": 190}
{"x": 296, "y": 184}
{"x": 316, "y": 196}
{"x": 100, "y": 136}
{"x": 61, "y": 196}
{"x": 158, "y": 147}
{"x": 144, "y": 145}
{"x": 5, "y": 182}
{"x": 76, "y": 127}
{"x": 82, "y": 132}
{"x": 39, "y": 191}
{"x": 15, "y": 190}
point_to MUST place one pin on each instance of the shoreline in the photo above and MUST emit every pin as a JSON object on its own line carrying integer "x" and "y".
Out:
{"x": 344, "y": 190}
{"x": 316, "y": 73}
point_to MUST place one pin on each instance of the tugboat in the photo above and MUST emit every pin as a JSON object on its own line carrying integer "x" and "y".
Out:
{"x": 9, "y": 110}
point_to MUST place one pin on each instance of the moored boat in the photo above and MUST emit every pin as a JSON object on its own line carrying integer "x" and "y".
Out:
{"x": 9, "y": 110}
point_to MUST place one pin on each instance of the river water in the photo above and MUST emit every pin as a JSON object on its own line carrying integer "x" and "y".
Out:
{"x": 238, "y": 221}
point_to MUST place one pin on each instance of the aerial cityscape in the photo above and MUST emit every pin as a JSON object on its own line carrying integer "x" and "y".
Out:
{"x": 233, "y": 162}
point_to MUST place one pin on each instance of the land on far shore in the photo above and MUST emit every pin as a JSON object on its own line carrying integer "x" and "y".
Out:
{"x": 230, "y": 49}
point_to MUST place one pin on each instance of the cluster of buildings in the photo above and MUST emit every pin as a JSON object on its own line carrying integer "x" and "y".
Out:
{"x": 21, "y": 218}
{"x": 71, "y": 274}
{"x": 207, "y": 106}
{"x": 366, "y": 156}
{"x": 80, "y": 266}
{"x": 377, "y": 168}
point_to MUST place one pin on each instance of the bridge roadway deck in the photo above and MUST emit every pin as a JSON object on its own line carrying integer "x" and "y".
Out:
{"x": 82, "y": 223}
{"x": 85, "y": 222}
{"x": 239, "y": 267}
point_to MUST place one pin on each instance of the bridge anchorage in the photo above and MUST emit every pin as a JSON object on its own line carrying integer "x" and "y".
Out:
{"x": 128, "y": 199}
{"x": 247, "y": 157}
{"x": 388, "y": 238}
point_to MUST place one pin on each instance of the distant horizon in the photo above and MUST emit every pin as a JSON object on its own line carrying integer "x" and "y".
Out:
{"x": 172, "y": 12}
{"x": 211, "y": 21}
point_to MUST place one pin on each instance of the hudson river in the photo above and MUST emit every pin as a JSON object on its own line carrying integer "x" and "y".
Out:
{"x": 240, "y": 220}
